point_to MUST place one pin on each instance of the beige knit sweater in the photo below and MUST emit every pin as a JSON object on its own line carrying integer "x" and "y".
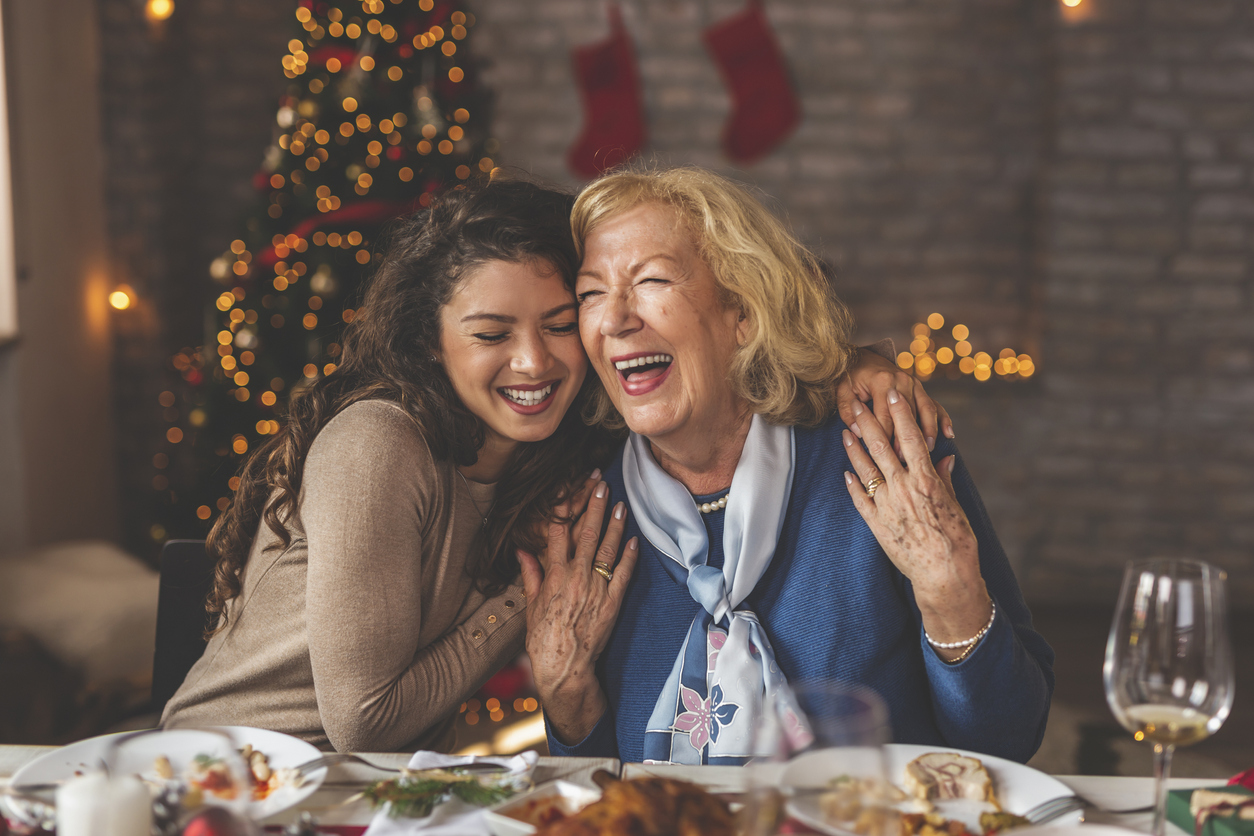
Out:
{"x": 366, "y": 633}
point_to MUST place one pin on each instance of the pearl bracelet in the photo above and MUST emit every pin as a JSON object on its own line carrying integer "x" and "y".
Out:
{"x": 968, "y": 642}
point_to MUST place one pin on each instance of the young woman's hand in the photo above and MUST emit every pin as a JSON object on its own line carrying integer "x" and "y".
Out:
{"x": 911, "y": 508}
{"x": 571, "y": 609}
{"x": 870, "y": 381}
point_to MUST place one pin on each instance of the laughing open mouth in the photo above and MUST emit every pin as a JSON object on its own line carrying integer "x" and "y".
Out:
{"x": 527, "y": 397}
{"x": 643, "y": 367}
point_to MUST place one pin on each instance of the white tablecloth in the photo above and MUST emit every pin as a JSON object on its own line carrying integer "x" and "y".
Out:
{"x": 345, "y": 780}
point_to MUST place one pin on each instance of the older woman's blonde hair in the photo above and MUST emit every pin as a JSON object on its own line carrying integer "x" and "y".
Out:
{"x": 798, "y": 335}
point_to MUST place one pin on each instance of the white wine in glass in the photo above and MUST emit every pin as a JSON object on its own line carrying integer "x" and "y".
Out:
{"x": 1168, "y": 670}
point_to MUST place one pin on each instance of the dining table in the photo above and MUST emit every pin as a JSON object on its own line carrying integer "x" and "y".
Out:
{"x": 334, "y": 806}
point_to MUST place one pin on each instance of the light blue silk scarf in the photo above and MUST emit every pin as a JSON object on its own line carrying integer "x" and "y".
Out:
{"x": 725, "y": 673}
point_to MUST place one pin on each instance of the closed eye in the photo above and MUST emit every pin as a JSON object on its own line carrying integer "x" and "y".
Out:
{"x": 565, "y": 328}
{"x": 490, "y": 338}
{"x": 587, "y": 294}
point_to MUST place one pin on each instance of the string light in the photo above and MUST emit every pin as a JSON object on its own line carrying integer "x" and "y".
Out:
{"x": 926, "y": 357}
{"x": 158, "y": 10}
{"x": 122, "y": 297}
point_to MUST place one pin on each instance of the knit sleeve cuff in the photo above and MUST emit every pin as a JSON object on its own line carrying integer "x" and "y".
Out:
{"x": 600, "y": 742}
{"x": 1000, "y": 631}
{"x": 494, "y": 615}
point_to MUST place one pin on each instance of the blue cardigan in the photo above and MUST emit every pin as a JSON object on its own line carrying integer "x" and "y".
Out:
{"x": 836, "y": 608}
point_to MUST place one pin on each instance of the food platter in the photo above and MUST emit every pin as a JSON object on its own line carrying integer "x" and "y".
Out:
{"x": 181, "y": 747}
{"x": 1018, "y": 787}
{"x": 519, "y": 816}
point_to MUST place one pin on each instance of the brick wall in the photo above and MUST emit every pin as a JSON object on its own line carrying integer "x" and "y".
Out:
{"x": 1076, "y": 188}
{"x": 1145, "y": 443}
{"x": 188, "y": 112}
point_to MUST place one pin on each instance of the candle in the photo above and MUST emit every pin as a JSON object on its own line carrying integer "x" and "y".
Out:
{"x": 97, "y": 805}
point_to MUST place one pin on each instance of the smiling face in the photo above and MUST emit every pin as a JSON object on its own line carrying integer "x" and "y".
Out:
{"x": 656, "y": 330}
{"x": 509, "y": 342}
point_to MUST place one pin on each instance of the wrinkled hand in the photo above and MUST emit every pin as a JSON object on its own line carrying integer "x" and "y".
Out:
{"x": 915, "y": 516}
{"x": 870, "y": 381}
{"x": 571, "y": 609}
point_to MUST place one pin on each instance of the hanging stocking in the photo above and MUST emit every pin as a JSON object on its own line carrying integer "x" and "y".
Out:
{"x": 613, "y": 130}
{"x": 765, "y": 109}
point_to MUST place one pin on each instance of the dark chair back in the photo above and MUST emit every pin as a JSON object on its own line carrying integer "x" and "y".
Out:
{"x": 186, "y": 578}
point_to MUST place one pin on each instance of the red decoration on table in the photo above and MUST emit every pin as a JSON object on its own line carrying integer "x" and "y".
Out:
{"x": 1243, "y": 779}
{"x": 613, "y": 130}
{"x": 765, "y": 109}
{"x": 216, "y": 821}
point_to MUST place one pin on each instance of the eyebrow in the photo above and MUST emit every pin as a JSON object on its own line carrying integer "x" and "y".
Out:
{"x": 634, "y": 268}
{"x": 507, "y": 319}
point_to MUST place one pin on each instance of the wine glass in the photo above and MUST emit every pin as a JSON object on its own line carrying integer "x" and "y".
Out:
{"x": 802, "y": 740}
{"x": 1168, "y": 670}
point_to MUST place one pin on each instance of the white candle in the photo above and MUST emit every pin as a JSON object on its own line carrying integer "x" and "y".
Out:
{"x": 97, "y": 805}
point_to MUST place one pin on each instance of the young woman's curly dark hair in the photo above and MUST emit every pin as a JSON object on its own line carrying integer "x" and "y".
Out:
{"x": 389, "y": 352}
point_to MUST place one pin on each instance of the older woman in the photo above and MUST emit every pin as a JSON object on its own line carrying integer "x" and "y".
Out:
{"x": 764, "y": 544}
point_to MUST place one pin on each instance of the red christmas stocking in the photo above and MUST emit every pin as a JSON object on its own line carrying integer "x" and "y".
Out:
{"x": 765, "y": 109}
{"x": 613, "y": 130}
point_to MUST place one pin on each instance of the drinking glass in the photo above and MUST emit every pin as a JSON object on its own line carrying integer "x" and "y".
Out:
{"x": 840, "y": 731}
{"x": 1168, "y": 670}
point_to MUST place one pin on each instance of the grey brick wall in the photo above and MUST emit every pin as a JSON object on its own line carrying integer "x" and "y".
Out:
{"x": 188, "y": 110}
{"x": 1074, "y": 188}
{"x": 1145, "y": 442}
{"x": 1078, "y": 189}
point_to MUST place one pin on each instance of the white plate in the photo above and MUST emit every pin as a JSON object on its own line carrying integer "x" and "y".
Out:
{"x": 573, "y": 798}
{"x": 1069, "y": 828}
{"x": 180, "y": 746}
{"x": 1019, "y": 788}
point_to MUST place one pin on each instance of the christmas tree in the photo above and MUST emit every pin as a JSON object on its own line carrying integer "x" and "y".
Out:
{"x": 383, "y": 110}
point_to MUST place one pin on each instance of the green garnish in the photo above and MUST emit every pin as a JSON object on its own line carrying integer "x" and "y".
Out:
{"x": 414, "y": 797}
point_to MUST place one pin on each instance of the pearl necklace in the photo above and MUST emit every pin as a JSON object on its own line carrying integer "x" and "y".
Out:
{"x": 716, "y": 505}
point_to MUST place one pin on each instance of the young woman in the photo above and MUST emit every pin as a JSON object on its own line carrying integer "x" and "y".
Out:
{"x": 366, "y": 582}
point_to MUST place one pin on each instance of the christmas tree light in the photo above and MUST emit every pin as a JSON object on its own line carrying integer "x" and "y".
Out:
{"x": 383, "y": 110}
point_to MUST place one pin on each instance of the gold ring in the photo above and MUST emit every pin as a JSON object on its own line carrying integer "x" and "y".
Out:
{"x": 603, "y": 569}
{"x": 874, "y": 485}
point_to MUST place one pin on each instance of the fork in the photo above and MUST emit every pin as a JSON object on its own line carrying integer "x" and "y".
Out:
{"x": 309, "y": 767}
{"x": 1054, "y": 808}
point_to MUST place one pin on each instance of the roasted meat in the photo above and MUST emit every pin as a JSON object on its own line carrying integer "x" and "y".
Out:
{"x": 648, "y": 807}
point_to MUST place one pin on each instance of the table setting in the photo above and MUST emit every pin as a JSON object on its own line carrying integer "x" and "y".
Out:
{"x": 1168, "y": 678}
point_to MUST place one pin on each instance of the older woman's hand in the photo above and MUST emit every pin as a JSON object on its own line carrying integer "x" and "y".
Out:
{"x": 914, "y": 514}
{"x": 571, "y": 609}
{"x": 870, "y": 381}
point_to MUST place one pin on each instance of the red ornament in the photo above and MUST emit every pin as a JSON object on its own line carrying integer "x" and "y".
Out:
{"x": 320, "y": 56}
{"x": 216, "y": 821}
{"x": 765, "y": 109}
{"x": 613, "y": 130}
